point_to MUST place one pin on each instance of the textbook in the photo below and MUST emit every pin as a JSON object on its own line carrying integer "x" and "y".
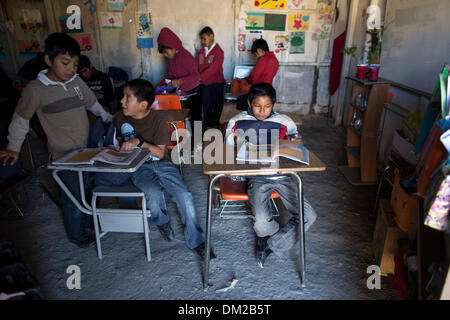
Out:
{"x": 270, "y": 152}
{"x": 105, "y": 155}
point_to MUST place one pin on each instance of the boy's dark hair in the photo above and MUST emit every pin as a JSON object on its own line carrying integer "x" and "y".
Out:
{"x": 206, "y": 30}
{"x": 262, "y": 89}
{"x": 142, "y": 90}
{"x": 260, "y": 44}
{"x": 161, "y": 48}
{"x": 83, "y": 62}
{"x": 60, "y": 43}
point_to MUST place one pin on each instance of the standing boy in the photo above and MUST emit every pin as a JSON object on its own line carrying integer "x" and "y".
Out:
{"x": 60, "y": 99}
{"x": 97, "y": 81}
{"x": 182, "y": 71}
{"x": 209, "y": 61}
{"x": 264, "y": 71}
{"x": 148, "y": 129}
{"x": 261, "y": 119}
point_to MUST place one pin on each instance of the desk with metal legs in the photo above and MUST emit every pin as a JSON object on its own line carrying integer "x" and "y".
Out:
{"x": 232, "y": 168}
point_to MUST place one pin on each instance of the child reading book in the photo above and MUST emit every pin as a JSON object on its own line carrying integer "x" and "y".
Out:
{"x": 261, "y": 118}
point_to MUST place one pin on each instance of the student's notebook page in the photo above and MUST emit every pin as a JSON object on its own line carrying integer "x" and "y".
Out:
{"x": 268, "y": 153}
{"x": 89, "y": 156}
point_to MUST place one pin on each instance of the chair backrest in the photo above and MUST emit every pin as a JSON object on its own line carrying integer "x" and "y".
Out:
{"x": 166, "y": 102}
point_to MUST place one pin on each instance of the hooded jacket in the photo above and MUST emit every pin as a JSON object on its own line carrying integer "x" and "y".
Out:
{"x": 183, "y": 66}
{"x": 265, "y": 69}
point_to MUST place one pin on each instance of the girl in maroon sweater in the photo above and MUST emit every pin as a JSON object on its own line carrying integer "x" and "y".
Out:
{"x": 209, "y": 62}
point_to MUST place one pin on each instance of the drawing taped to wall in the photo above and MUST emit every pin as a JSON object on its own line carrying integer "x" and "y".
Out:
{"x": 325, "y": 6}
{"x": 302, "y": 4}
{"x": 250, "y": 37}
{"x": 254, "y": 21}
{"x": 275, "y": 22}
{"x": 64, "y": 28}
{"x": 144, "y": 30}
{"x": 298, "y": 22}
{"x": 281, "y": 42}
{"x": 241, "y": 42}
{"x": 321, "y": 32}
{"x": 28, "y": 48}
{"x": 270, "y": 4}
{"x": 111, "y": 20}
{"x": 297, "y": 42}
{"x": 31, "y": 21}
{"x": 116, "y": 5}
{"x": 325, "y": 18}
{"x": 84, "y": 40}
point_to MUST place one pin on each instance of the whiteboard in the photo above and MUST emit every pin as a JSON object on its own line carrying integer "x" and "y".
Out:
{"x": 416, "y": 42}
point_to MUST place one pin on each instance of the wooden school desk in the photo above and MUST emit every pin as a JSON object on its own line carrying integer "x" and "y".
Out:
{"x": 285, "y": 166}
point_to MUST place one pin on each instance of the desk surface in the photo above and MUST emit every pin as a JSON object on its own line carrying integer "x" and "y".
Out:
{"x": 284, "y": 165}
{"x": 105, "y": 167}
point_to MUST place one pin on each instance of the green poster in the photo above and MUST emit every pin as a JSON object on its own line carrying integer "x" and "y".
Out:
{"x": 276, "y": 22}
{"x": 297, "y": 42}
{"x": 254, "y": 21}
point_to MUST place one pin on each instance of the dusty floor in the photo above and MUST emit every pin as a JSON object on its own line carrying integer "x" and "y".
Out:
{"x": 338, "y": 245}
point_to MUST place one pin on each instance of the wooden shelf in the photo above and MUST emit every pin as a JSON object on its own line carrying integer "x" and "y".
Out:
{"x": 357, "y": 107}
{"x": 367, "y": 82}
{"x": 358, "y": 132}
{"x": 354, "y": 151}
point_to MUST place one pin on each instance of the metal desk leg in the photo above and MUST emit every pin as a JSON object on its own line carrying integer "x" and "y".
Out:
{"x": 69, "y": 194}
{"x": 301, "y": 229}
{"x": 208, "y": 230}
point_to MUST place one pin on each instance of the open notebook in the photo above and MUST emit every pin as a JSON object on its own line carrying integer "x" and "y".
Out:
{"x": 269, "y": 153}
{"x": 91, "y": 155}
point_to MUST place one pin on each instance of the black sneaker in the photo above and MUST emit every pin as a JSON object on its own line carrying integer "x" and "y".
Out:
{"x": 201, "y": 252}
{"x": 166, "y": 232}
{"x": 85, "y": 241}
{"x": 262, "y": 250}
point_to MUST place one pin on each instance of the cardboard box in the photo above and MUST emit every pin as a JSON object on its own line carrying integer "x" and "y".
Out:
{"x": 403, "y": 204}
{"x": 386, "y": 237}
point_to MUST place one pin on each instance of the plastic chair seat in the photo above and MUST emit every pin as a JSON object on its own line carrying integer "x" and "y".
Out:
{"x": 237, "y": 190}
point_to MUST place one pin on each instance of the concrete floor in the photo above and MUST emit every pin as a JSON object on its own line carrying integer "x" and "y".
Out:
{"x": 338, "y": 245}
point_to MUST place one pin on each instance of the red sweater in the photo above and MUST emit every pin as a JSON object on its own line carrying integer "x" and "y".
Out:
{"x": 181, "y": 67}
{"x": 265, "y": 69}
{"x": 210, "y": 66}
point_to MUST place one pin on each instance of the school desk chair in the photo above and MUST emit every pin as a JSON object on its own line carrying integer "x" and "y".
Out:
{"x": 231, "y": 193}
{"x": 172, "y": 102}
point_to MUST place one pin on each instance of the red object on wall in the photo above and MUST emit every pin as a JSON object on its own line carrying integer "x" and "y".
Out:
{"x": 336, "y": 63}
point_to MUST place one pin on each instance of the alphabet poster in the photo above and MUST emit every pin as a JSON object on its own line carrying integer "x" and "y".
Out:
{"x": 276, "y": 22}
{"x": 297, "y": 42}
{"x": 298, "y": 22}
{"x": 31, "y": 21}
{"x": 254, "y": 21}
{"x": 112, "y": 20}
{"x": 28, "y": 48}
{"x": 270, "y": 4}
{"x": 63, "y": 24}
{"x": 84, "y": 40}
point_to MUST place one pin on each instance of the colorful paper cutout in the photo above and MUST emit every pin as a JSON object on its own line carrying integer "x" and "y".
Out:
{"x": 112, "y": 20}
{"x": 31, "y": 21}
{"x": 28, "y": 48}
{"x": 270, "y": 4}
{"x": 298, "y": 22}
{"x": 297, "y": 42}
{"x": 276, "y": 22}
{"x": 63, "y": 24}
{"x": 84, "y": 40}
{"x": 321, "y": 32}
{"x": 254, "y": 21}
{"x": 116, "y": 5}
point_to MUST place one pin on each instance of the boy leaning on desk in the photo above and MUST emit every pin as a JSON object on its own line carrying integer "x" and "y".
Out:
{"x": 261, "y": 119}
{"x": 60, "y": 99}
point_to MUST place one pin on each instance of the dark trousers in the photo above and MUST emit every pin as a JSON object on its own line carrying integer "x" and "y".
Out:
{"x": 195, "y": 104}
{"x": 74, "y": 220}
{"x": 242, "y": 102}
{"x": 212, "y": 103}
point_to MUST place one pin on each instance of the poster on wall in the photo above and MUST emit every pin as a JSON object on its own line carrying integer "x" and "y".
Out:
{"x": 84, "y": 40}
{"x": 297, "y": 42}
{"x": 144, "y": 29}
{"x": 31, "y": 21}
{"x": 250, "y": 37}
{"x": 241, "y": 42}
{"x": 116, "y": 5}
{"x": 281, "y": 42}
{"x": 275, "y": 22}
{"x": 321, "y": 32}
{"x": 111, "y": 20}
{"x": 270, "y": 4}
{"x": 28, "y": 48}
{"x": 325, "y": 18}
{"x": 302, "y": 4}
{"x": 325, "y": 6}
{"x": 254, "y": 21}
{"x": 63, "y": 24}
{"x": 298, "y": 22}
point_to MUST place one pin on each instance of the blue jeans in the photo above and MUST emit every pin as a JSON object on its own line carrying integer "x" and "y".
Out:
{"x": 152, "y": 178}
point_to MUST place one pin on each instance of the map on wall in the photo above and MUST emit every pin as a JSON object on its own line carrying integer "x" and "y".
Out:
{"x": 298, "y": 22}
{"x": 254, "y": 21}
{"x": 270, "y": 4}
{"x": 276, "y": 22}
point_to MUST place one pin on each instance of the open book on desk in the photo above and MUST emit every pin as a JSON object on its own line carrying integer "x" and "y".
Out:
{"x": 105, "y": 155}
{"x": 269, "y": 153}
